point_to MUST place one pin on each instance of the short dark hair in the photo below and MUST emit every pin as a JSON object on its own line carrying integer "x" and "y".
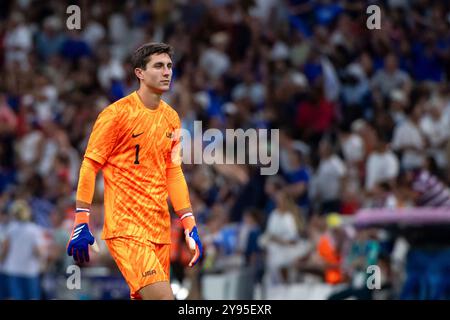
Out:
{"x": 141, "y": 55}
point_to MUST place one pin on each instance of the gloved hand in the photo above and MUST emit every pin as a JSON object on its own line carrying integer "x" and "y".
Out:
{"x": 81, "y": 237}
{"x": 192, "y": 238}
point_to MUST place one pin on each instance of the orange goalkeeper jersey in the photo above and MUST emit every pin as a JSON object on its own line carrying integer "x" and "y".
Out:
{"x": 134, "y": 144}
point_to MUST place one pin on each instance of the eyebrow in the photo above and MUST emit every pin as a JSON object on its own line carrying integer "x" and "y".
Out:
{"x": 162, "y": 63}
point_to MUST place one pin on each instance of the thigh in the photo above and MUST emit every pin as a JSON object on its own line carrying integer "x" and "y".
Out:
{"x": 138, "y": 262}
{"x": 157, "y": 291}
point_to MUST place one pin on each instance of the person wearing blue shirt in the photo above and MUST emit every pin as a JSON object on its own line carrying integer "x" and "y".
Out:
{"x": 298, "y": 179}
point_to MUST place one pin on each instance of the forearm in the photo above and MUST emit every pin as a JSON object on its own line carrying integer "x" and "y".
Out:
{"x": 86, "y": 183}
{"x": 179, "y": 196}
{"x": 4, "y": 247}
{"x": 297, "y": 189}
{"x": 178, "y": 191}
{"x": 81, "y": 237}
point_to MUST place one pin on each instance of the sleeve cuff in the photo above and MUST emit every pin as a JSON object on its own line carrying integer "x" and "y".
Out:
{"x": 96, "y": 157}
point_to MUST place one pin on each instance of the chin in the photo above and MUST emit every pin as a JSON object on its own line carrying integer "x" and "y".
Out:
{"x": 165, "y": 88}
{"x": 159, "y": 89}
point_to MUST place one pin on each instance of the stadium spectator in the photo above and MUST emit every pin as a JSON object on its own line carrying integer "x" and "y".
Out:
{"x": 281, "y": 238}
{"x": 23, "y": 251}
{"x": 329, "y": 179}
{"x": 382, "y": 165}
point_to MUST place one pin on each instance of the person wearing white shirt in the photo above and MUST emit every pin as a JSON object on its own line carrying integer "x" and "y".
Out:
{"x": 282, "y": 238}
{"x": 382, "y": 165}
{"x": 22, "y": 252}
{"x": 18, "y": 42}
{"x": 390, "y": 77}
{"x": 408, "y": 139}
{"x": 436, "y": 129}
{"x": 214, "y": 60}
{"x": 328, "y": 182}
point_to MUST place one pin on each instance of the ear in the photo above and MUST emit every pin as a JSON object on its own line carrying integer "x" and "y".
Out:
{"x": 138, "y": 72}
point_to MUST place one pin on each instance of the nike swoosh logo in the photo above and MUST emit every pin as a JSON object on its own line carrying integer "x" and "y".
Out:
{"x": 136, "y": 135}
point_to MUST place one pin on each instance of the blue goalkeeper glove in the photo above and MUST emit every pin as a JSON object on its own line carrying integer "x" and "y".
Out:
{"x": 192, "y": 238}
{"x": 81, "y": 237}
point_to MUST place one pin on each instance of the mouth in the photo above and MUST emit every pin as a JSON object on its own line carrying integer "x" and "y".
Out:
{"x": 165, "y": 81}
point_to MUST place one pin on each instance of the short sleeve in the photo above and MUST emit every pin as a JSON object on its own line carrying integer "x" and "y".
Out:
{"x": 39, "y": 236}
{"x": 299, "y": 176}
{"x": 340, "y": 167}
{"x": 103, "y": 136}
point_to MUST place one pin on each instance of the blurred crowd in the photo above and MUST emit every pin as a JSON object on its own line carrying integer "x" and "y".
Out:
{"x": 364, "y": 120}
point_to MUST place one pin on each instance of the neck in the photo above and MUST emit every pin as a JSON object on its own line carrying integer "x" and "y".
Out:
{"x": 149, "y": 99}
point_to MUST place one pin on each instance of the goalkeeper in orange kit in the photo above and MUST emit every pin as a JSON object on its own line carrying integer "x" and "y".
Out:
{"x": 136, "y": 142}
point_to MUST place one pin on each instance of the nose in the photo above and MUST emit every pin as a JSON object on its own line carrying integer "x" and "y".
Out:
{"x": 167, "y": 72}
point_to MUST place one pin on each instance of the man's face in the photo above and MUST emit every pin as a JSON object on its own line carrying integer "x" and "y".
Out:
{"x": 157, "y": 74}
{"x": 391, "y": 63}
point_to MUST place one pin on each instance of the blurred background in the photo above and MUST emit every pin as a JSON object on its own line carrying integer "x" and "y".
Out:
{"x": 364, "y": 120}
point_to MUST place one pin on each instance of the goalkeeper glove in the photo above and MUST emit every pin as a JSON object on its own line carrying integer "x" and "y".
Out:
{"x": 192, "y": 238}
{"x": 81, "y": 237}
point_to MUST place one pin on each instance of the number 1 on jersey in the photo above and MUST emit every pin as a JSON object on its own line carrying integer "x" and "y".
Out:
{"x": 136, "y": 160}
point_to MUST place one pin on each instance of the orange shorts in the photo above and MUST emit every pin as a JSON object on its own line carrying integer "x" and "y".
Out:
{"x": 141, "y": 263}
